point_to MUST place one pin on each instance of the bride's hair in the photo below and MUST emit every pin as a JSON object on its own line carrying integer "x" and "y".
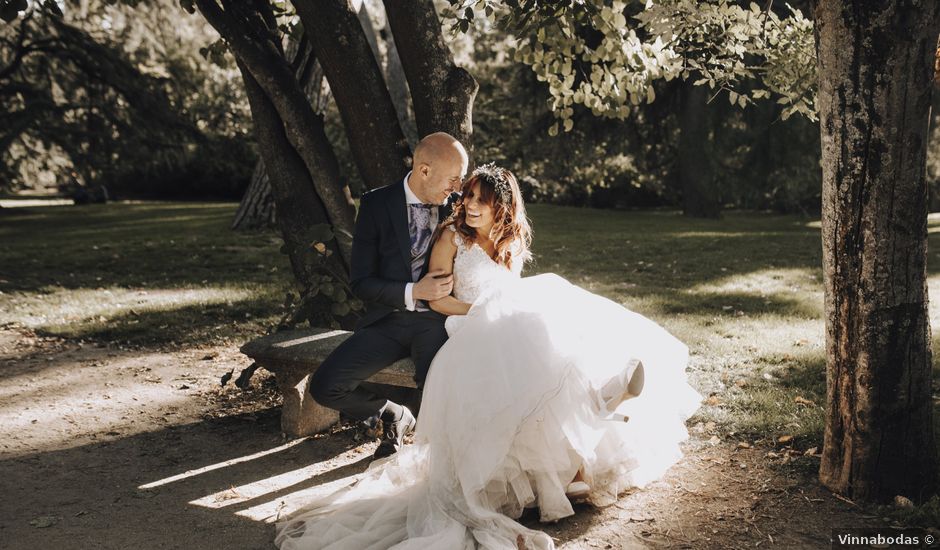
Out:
{"x": 511, "y": 233}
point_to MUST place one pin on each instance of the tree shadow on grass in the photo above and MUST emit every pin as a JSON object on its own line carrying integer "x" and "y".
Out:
{"x": 195, "y": 324}
{"x": 734, "y": 303}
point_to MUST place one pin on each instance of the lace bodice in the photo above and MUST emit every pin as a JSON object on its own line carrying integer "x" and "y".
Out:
{"x": 475, "y": 271}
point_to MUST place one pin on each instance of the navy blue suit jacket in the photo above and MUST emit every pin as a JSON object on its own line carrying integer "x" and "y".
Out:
{"x": 381, "y": 252}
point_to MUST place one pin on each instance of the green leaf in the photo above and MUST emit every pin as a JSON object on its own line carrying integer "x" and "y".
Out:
{"x": 339, "y": 296}
{"x": 340, "y": 309}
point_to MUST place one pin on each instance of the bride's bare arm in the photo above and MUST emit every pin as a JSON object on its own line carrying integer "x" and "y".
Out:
{"x": 442, "y": 258}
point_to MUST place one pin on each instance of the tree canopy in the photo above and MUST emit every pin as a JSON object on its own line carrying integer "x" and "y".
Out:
{"x": 606, "y": 55}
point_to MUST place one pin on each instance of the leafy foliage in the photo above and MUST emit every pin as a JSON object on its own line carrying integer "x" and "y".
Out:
{"x": 108, "y": 93}
{"x": 760, "y": 161}
{"x": 606, "y": 54}
{"x": 328, "y": 299}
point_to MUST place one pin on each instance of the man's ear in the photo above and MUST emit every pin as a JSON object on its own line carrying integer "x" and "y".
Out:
{"x": 424, "y": 169}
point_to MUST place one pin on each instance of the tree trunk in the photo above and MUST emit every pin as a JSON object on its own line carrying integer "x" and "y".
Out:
{"x": 875, "y": 71}
{"x": 441, "y": 92}
{"x": 251, "y": 33}
{"x": 362, "y": 13}
{"x": 257, "y": 207}
{"x": 299, "y": 208}
{"x": 695, "y": 171}
{"x": 398, "y": 85}
{"x": 376, "y": 140}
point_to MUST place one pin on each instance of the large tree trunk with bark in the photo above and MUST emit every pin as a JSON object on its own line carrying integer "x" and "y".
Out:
{"x": 441, "y": 92}
{"x": 696, "y": 177}
{"x": 250, "y": 30}
{"x": 378, "y": 145}
{"x": 390, "y": 63}
{"x": 398, "y": 85}
{"x": 257, "y": 207}
{"x": 299, "y": 208}
{"x": 875, "y": 71}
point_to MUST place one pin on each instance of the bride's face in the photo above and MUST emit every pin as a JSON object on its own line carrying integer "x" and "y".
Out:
{"x": 478, "y": 213}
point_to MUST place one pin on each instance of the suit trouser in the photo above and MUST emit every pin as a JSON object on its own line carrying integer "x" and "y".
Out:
{"x": 336, "y": 384}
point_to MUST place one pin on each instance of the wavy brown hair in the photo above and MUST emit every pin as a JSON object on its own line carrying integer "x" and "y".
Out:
{"x": 511, "y": 233}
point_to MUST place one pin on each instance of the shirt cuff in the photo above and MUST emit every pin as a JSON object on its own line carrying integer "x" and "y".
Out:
{"x": 409, "y": 299}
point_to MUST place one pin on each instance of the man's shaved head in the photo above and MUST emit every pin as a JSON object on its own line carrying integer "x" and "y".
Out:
{"x": 438, "y": 146}
{"x": 440, "y": 162}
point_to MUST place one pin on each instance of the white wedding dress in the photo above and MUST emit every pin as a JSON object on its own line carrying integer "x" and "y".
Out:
{"x": 515, "y": 402}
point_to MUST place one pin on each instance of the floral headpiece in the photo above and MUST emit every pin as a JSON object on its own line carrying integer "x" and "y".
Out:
{"x": 496, "y": 177}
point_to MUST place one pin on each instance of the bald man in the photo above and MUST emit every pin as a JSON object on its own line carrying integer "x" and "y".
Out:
{"x": 391, "y": 247}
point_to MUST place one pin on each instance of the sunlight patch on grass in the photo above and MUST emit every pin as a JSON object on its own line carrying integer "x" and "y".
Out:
{"x": 764, "y": 282}
{"x": 56, "y": 306}
{"x": 26, "y": 203}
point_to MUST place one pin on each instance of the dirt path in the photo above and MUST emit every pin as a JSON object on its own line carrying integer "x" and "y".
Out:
{"x": 117, "y": 448}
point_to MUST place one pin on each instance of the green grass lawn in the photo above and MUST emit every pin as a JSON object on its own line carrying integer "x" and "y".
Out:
{"x": 139, "y": 274}
{"x": 745, "y": 292}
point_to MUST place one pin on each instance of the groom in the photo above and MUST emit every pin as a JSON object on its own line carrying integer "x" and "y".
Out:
{"x": 391, "y": 248}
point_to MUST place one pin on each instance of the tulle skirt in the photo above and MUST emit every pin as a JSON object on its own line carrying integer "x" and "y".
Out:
{"x": 515, "y": 404}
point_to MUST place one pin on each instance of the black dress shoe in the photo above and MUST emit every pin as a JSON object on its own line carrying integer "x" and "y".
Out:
{"x": 393, "y": 434}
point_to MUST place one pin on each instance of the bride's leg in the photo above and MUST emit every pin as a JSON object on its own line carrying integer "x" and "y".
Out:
{"x": 626, "y": 385}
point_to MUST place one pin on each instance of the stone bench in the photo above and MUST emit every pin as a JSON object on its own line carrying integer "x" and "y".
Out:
{"x": 293, "y": 355}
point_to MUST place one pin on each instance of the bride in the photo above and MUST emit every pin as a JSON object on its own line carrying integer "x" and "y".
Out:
{"x": 543, "y": 393}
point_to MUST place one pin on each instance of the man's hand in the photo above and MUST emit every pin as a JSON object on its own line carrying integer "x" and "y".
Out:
{"x": 433, "y": 286}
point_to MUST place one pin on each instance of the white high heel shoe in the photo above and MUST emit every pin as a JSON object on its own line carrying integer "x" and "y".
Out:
{"x": 627, "y": 385}
{"x": 577, "y": 490}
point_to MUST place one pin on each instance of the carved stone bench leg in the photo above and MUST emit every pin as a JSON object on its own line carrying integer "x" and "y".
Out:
{"x": 300, "y": 414}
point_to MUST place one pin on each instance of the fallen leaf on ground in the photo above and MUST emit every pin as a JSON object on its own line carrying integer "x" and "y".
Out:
{"x": 784, "y": 439}
{"x": 903, "y": 502}
{"x": 800, "y": 400}
{"x": 44, "y": 521}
